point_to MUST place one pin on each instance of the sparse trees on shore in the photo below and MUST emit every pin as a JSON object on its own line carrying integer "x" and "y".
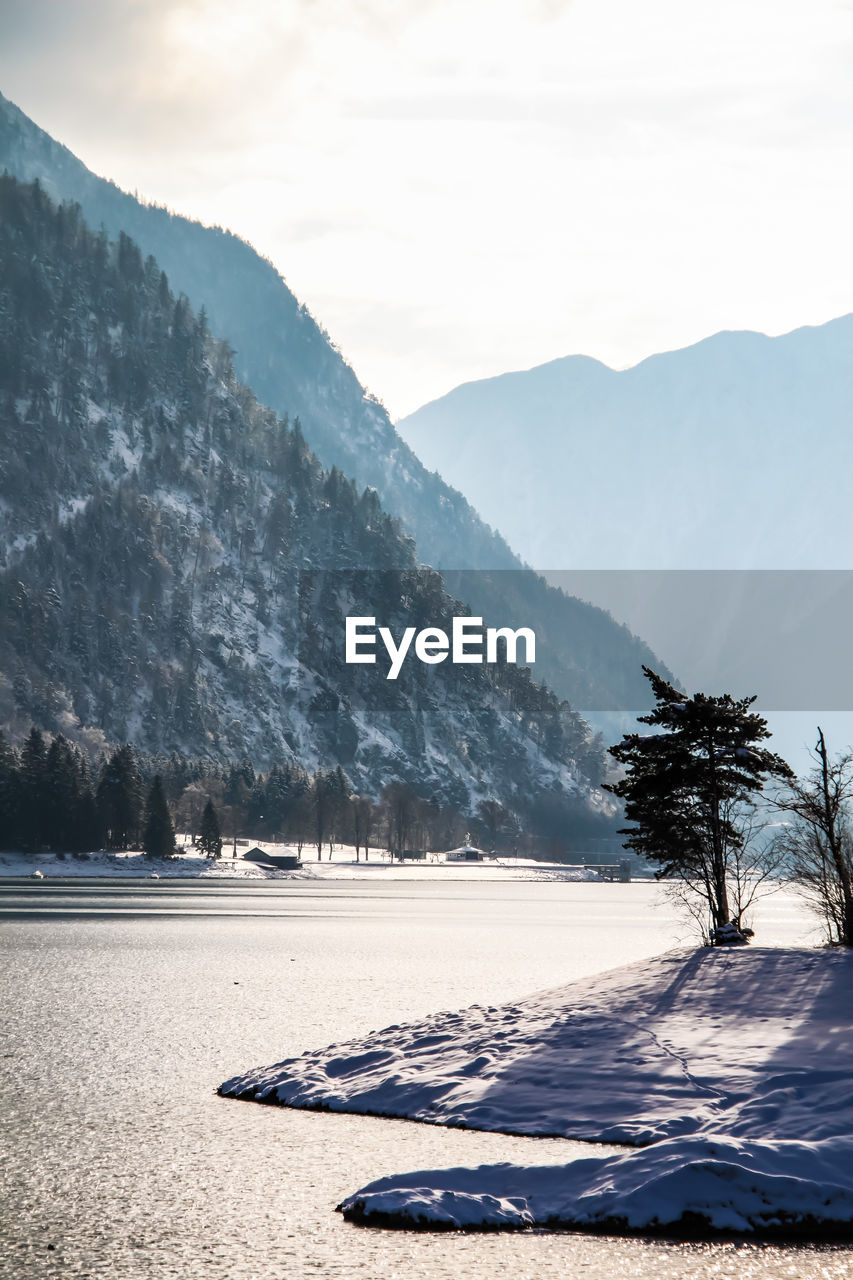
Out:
{"x": 52, "y": 798}
{"x": 816, "y": 841}
{"x": 362, "y": 817}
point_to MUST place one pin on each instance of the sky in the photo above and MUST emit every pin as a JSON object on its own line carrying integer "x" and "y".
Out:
{"x": 457, "y": 189}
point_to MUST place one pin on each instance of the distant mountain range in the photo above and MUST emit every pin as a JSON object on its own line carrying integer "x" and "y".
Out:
{"x": 734, "y": 453}
{"x": 292, "y": 366}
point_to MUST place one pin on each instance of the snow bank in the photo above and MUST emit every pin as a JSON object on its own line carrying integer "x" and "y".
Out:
{"x": 757, "y": 1040}
{"x": 735, "y": 1064}
{"x": 682, "y": 1184}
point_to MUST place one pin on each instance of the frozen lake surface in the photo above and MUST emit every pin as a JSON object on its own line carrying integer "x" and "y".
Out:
{"x": 119, "y": 998}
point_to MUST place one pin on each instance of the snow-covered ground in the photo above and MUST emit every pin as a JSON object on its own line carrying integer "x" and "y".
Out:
{"x": 730, "y": 1069}
{"x": 134, "y": 864}
{"x": 341, "y": 866}
{"x": 680, "y": 1185}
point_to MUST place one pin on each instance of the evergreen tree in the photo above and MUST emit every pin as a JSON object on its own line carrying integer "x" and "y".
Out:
{"x": 341, "y": 790}
{"x": 687, "y": 787}
{"x": 119, "y": 799}
{"x": 209, "y": 838}
{"x": 32, "y": 792}
{"x": 159, "y": 838}
{"x": 88, "y": 832}
{"x": 62, "y": 787}
{"x": 10, "y": 796}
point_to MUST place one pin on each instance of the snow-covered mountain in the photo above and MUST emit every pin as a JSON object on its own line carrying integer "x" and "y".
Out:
{"x": 279, "y": 348}
{"x": 292, "y": 366}
{"x": 736, "y": 452}
{"x": 176, "y": 568}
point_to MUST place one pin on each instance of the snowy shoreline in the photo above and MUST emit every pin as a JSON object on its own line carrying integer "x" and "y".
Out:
{"x": 687, "y": 1188}
{"x": 133, "y": 864}
{"x": 727, "y": 1070}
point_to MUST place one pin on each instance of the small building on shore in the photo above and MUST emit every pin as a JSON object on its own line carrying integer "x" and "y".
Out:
{"x": 465, "y": 853}
{"x": 285, "y": 859}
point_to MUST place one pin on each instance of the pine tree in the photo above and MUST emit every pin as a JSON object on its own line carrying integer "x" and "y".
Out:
{"x": 118, "y": 799}
{"x": 33, "y": 792}
{"x": 687, "y": 788}
{"x": 159, "y": 838}
{"x": 10, "y": 796}
{"x": 62, "y": 784}
{"x": 209, "y": 838}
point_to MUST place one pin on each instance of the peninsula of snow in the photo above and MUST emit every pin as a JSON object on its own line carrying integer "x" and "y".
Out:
{"x": 730, "y": 1069}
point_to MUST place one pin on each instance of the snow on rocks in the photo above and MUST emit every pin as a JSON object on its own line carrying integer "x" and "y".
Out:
{"x": 731, "y": 1066}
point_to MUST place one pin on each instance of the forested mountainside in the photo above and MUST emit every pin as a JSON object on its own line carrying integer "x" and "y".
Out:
{"x": 178, "y": 566}
{"x": 291, "y": 365}
{"x": 734, "y": 453}
{"x": 280, "y": 350}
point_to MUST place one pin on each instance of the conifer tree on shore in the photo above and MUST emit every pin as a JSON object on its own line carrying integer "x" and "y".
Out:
{"x": 159, "y": 838}
{"x": 689, "y": 787}
{"x": 210, "y": 837}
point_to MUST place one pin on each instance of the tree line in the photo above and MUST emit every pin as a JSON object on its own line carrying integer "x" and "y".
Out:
{"x": 53, "y": 799}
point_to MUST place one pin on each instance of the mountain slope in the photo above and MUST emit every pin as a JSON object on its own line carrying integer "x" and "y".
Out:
{"x": 281, "y": 352}
{"x": 292, "y": 366}
{"x": 733, "y": 453}
{"x": 178, "y": 566}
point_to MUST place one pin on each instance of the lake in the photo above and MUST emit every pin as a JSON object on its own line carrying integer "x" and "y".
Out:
{"x": 126, "y": 1004}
